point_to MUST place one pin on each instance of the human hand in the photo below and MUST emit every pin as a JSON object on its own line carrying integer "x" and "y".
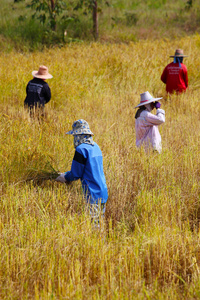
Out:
{"x": 157, "y": 104}
{"x": 61, "y": 178}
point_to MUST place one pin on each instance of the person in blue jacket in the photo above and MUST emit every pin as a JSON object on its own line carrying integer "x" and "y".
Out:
{"x": 87, "y": 165}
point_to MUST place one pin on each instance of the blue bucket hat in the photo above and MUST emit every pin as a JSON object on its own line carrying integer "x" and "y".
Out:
{"x": 80, "y": 127}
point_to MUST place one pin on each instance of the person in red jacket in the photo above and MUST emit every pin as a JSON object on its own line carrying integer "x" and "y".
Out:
{"x": 175, "y": 74}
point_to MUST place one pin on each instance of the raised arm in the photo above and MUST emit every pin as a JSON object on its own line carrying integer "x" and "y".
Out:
{"x": 157, "y": 119}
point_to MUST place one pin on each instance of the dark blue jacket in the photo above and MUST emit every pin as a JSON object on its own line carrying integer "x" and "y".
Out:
{"x": 87, "y": 165}
{"x": 38, "y": 93}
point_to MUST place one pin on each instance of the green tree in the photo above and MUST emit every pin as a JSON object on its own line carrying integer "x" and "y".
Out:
{"x": 47, "y": 10}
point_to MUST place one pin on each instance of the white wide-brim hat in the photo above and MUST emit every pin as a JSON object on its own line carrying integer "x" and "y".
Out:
{"x": 42, "y": 73}
{"x": 146, "y": 98}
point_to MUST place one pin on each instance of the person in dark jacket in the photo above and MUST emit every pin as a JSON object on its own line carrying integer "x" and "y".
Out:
{"x": 175, "y": 74}
{"x": 38, "y": 92}
{"x": 87, "y": 165}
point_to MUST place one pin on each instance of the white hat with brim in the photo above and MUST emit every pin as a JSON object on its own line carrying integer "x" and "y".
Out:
{"x": 42, "y": 73}
{"x": 146, "y": 98}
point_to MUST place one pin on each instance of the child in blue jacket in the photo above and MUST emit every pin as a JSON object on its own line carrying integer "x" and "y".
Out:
{"x": 87, "y": 165}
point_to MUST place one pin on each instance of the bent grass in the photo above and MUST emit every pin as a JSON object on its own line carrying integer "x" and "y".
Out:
{"x": 149, "y": 247}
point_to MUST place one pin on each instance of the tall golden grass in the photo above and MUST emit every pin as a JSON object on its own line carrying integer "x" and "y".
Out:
{"x": 149, "y": 247}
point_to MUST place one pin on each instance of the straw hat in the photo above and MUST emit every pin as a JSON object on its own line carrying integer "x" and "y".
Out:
{"x": 146, "y": 98}
{"x": 179, "y": 53}
{"x": 42, "y": 73}
{"x": 80, "y": 127}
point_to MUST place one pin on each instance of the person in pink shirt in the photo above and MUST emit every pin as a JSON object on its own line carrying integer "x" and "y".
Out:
{"x": 175, "y": 74}
{"x": 146, "y": 123}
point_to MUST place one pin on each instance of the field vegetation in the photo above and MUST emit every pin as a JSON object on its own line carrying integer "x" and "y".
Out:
{"x": 149, "y": 244}
{"x": 119, "y": 21}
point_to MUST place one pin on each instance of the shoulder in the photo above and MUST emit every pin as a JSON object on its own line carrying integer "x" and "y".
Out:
{"x": 80, "y": 148}
{"x": 184, "y": 67}
{"x": 144, "y": 113}
{"x": 31, "y": 81}
{"x": 172, "y": 65}
{"x": 44, "y": 83}
{"x": 83, "y": 148}
{"x": 40, "y": 81}
{"x": 169, "y": 65}
{"x": 148, "y": 114}
{"x": 87, "y": 149}
{"x": 143, "y": 116}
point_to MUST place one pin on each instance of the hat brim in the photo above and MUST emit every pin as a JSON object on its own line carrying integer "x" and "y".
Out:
{"x": 47, "y": 76}
{"x": 150, "y": 101}
{"x": 178, "y": 55}
{"x": 75, "y": 133}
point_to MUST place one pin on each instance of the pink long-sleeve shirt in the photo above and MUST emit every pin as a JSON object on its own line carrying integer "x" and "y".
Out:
{"x": 147, "y": 133}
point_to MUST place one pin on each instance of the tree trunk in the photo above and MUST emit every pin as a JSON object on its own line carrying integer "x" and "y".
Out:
{"x": 52, "y": 5}
{"x": 95, "y": 20}
{"x": 53, "y": 16}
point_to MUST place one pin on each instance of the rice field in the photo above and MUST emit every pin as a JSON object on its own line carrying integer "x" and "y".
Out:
{"x": 149, "y": 244}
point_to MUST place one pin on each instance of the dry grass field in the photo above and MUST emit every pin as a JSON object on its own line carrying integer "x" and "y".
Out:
{"x": 149, "y": 247}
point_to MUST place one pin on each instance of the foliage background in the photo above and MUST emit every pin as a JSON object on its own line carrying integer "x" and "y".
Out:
{"x": 119, "y": 21}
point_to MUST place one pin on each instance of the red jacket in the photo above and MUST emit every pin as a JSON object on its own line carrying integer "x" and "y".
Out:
{"x": 175, "y": 78}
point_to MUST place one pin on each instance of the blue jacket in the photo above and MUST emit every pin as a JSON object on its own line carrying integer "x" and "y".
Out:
{"x": 87, "y": 165}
